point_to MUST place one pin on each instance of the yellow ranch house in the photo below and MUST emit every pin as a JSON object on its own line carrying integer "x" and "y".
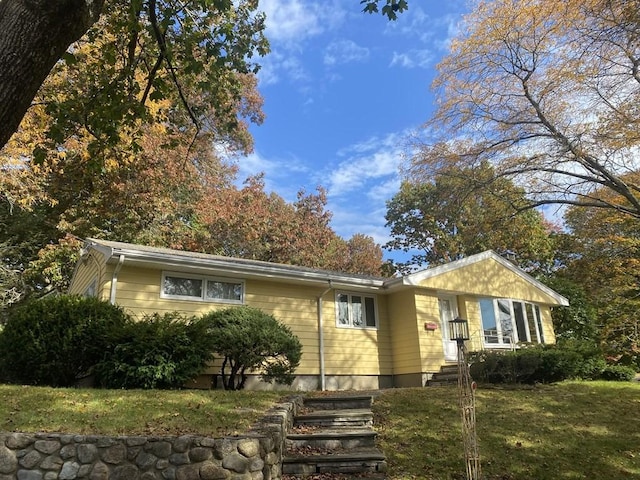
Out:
{"x": 357, "y": 332}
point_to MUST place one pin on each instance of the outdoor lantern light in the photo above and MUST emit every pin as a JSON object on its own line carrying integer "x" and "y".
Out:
{"x": 458, "y": 330}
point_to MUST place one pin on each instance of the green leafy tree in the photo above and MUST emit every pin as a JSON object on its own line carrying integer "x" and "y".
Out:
{"x": 578, "y": 321}
{"x": 390, "y": 8}
{"x": 250, "y": 340}
{"x": 606, "y": 263}
{"x": 447, "y": 219}
{"x": 547, "y": 91}
{"x": 151, "y": 49}
{"x": 179, "y": 39}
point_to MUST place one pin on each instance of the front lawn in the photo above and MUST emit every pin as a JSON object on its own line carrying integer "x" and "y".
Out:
{"x": 572, "y": 430}
{"x": 131, "y": 412}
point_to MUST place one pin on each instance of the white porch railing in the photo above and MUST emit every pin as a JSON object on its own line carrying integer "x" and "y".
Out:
{"x": 490, "y": 339}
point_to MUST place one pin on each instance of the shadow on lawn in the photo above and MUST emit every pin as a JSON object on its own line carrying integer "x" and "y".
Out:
{"x": 569, "y": 430}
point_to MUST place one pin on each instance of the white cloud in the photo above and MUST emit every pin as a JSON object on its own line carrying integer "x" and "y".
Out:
{"x": 385, "y": 190}
{"x": 277, "y": 173}
{"x": 291, "y": 25}
{"x": 345, "y": 51}
{"x": 374, "y": 160}
{"x": 291, "y": 21}
{"x": 277, "y": 64}
{"x": 413, "y": 59}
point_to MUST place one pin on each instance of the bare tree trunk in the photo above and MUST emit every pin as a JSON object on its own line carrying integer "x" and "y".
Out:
{"x": 33, "y": 36}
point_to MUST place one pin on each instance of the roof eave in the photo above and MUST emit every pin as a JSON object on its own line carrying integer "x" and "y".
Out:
{"x": 236, "y": 267}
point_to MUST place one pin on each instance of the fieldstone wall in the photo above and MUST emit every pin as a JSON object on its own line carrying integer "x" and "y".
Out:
{"x": 255, "y": 456}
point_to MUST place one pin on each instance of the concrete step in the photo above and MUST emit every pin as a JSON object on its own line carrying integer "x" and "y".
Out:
{"x": 339, "y": 476}
{"x": 355, "y": 461}
{"x": 448, "y": 375}
{"x": 342, "y": 439}
{"x": 449, "y": 368}
{"x": 335, "y": 418}
{"x": 339, "y": 402}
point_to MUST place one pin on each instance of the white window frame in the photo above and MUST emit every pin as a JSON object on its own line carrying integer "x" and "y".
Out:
{"x": 350, "y": 310}
{"x": 203, "y": 296}
{"x": 515, "y": 335}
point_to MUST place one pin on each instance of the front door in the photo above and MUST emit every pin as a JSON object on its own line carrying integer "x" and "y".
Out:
{"x": 448, "y": 311}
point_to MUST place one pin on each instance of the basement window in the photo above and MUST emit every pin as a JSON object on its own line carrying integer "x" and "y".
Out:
{"x": 201, "y": 288}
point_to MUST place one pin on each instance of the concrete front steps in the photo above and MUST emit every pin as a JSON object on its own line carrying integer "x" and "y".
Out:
{"x": 448, "y": 375}
{"x": 334, "y": 436}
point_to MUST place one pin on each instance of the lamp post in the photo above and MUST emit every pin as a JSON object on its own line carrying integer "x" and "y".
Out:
{"x": 459, "y": 332}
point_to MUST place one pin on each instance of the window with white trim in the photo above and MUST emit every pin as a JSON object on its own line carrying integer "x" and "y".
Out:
{"x": 356, "y": 310}
{"x": 506, "y": 322}
{"x": 201, "y": 288}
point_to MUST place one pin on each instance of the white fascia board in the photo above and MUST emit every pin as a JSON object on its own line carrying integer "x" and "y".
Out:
{"x": 238, "y": 267}
{"x": 415, "y": 279}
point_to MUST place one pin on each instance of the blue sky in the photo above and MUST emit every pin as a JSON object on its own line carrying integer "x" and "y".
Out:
{"x": 343, "y": 92}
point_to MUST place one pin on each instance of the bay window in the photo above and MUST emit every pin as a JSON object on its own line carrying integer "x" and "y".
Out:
{"x": 506, "y": 322}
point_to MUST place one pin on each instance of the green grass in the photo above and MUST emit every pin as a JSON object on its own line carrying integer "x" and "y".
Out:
{"x": 131, "y": 412}
{"x": 572, "y": 430}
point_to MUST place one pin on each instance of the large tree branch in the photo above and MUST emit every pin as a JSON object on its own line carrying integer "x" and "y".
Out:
{"x": 33, "y": 36}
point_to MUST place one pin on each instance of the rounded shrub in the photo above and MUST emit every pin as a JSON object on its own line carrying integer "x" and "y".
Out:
{"x": 57, "y": 340}
{"x": 618, "y": 373}
{"x": 160, "y": 351}
{"x": 250, "y": 340}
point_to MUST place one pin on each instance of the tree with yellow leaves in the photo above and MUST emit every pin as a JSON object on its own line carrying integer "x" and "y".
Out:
{"x": 548, "y": 92}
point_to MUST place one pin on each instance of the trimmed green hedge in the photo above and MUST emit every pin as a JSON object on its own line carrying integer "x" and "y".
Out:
{"x": 57, "y": 340}
{"x": 546, "y": 364}
{"x": 160, "y": 351}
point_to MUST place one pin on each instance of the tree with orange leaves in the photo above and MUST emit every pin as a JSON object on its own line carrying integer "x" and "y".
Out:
{"x": 548, "y": 92}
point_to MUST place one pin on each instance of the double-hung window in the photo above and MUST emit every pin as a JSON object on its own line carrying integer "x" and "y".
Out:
{"x": 356, "y": 310}
{"x": 207, "y": 289}
{"x": 506, "y": 322}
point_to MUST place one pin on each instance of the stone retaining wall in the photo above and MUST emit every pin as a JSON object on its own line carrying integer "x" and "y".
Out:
{"x": 255, "y": 456}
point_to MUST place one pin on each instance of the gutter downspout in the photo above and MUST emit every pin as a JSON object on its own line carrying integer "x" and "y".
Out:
{"x": 321, "y": 337}
{"x": 114, "y": 280}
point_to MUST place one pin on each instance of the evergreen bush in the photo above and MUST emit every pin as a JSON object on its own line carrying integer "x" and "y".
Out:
{"x": 57, "y": 340}
{"x": 160, "y": 351}
{"x": 546, "y": 364}
{"x": 251, "y": 340}
{"x": 618, "y": 373}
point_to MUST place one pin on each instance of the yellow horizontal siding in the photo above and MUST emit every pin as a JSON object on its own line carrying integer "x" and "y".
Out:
{"x": 470, "y": 311}
{"x": 83, "y": 277}
{"x": 347, "y": 351}
{"x": 356, "y": 351}
{"x": 405, "y": 342}
{"x": 547, "y": 324}
{"x": 488, "y": 278}
{"x": 400, "y": 344}
{"x": 431, "y": 349}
